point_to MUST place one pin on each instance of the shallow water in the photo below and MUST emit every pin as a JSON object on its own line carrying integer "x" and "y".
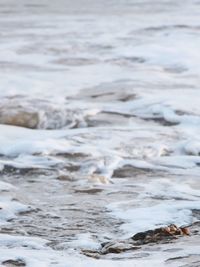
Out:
{"x": 99, "y": 129}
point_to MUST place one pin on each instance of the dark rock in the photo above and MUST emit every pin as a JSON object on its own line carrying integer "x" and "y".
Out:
{"x": 118, "y": 247}
{"x": 130, "y": 171}
{"x": 8, "y": 169}
{"x": 72, "y": 155}
{"x": 162, "y": 121}
{"x": 162, "y": 234}
{"x": 14, "y": 263}
{"x": 89, "y": 191}
{"x": 64, "y": 177}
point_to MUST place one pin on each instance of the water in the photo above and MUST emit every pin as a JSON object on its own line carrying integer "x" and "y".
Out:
{"x": 107, "y": 93}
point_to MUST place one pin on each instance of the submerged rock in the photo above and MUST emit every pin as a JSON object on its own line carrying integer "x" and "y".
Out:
{"x": 118, "y": 247}
{"x": 111, "y": 91}
{"x": 158, "y": 235}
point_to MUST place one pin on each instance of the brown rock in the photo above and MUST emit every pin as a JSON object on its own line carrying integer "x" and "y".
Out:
{"x": 20, "y": 118}
{"x": 185, "y": 230}
{"x": 160, "y": 234}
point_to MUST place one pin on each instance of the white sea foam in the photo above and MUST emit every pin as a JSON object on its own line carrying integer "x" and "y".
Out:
{"x": 122, "y": 81}
{"x": 144, "y": 218}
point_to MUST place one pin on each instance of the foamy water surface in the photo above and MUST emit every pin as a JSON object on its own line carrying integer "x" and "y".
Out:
{"x": 100, "y": 123}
